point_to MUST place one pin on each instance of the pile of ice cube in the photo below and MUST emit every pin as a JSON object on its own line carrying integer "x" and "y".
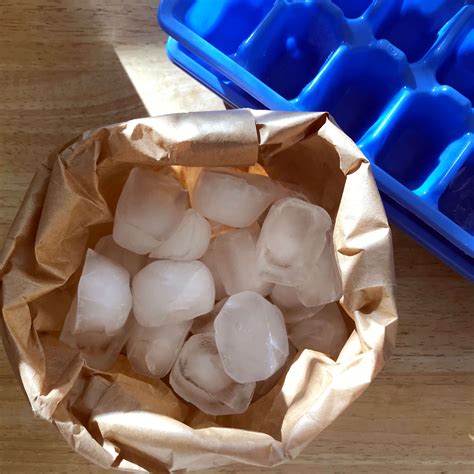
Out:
{"x": 200, "y": 264}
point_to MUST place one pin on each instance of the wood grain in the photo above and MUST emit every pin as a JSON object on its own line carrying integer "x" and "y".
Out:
{"x": 67, "y": 66}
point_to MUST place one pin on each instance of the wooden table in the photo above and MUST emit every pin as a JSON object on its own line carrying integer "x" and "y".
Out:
{"x": 70, "y": 65}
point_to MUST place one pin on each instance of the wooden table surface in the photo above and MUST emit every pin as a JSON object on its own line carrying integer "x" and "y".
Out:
{"x": 70, "y": 65}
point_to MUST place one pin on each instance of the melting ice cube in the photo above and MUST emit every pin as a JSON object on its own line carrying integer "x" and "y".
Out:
{"x": 292, "y": 239}
{"x": 251, "y": 337}
{"x": 98, "y": 320}
{"x": 199, "y": 378}
{"x": 236, "y": 259}
{"x": 232, "y": 197}
{"x": 103, "y": 296}
{"x": 169, "y": 292}
{"x": 150, "y": 208}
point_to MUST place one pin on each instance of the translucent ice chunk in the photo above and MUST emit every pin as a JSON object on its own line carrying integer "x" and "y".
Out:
{"x": 326, "y": 332}
{"x": 132, "y": 262}
{"x": 281, "y": 191}
{"x": 153, "y": 351}
{"x": 150, "y": 208}
{"x": 323, "y": 283}
{"x": 104, "y": 299}
{"x": 98, "y": 349}
{"x": 199, "y": 378}
{"x": 210, "y": 260}
{"x": 236, "y": 258}
{"x": 189, "y": 241}
{"x": 292, "y": 308}
{"x": 232, "y": 197}
{"x": 251, "y": 337}
{"x": 205, "y": 323}
{"x": 169, "y": 292}
{"x": 292, "y": 239}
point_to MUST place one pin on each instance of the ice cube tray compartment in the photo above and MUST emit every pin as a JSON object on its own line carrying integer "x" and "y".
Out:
{"x": 423, "y": 125}
{"x": 276, "y": 45}
{"x": 354, "y": 92}
{"x": 397, "y": 75}
{"x": 413, "y": 25}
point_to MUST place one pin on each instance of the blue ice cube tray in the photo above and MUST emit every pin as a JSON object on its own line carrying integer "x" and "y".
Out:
{"x": 397, "y": 75}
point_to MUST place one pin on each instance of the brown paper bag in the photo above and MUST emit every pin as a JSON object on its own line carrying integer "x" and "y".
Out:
{"x": 120, "y": 419}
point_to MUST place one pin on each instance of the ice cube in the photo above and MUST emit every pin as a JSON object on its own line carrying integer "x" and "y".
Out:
{"x": 323, "y": 283}
{"x": 210, "y": 260}
{"x": 98, "y": 349}
{"x": 236, "y": 256}
{"x": 132, "y": 262}
{"x": 292, "y": 308}
{"x": 205, "y": 323}
{"x": 188, "y": 242}
{"x": 104, "y": 299}
{"x": 153, "y": 351}
{"x": 97, "y": 322}
{"x": 169, "y": 292}
{"x": 199, "y": 378}
{"x": 326, "y": 332}
{"x": 251, "y": 337}
{"x": 232, "y": 197}
{"x": 291, "y": 241}
{"x": 284, "y": 190}
{"x": 150, "y": 208}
